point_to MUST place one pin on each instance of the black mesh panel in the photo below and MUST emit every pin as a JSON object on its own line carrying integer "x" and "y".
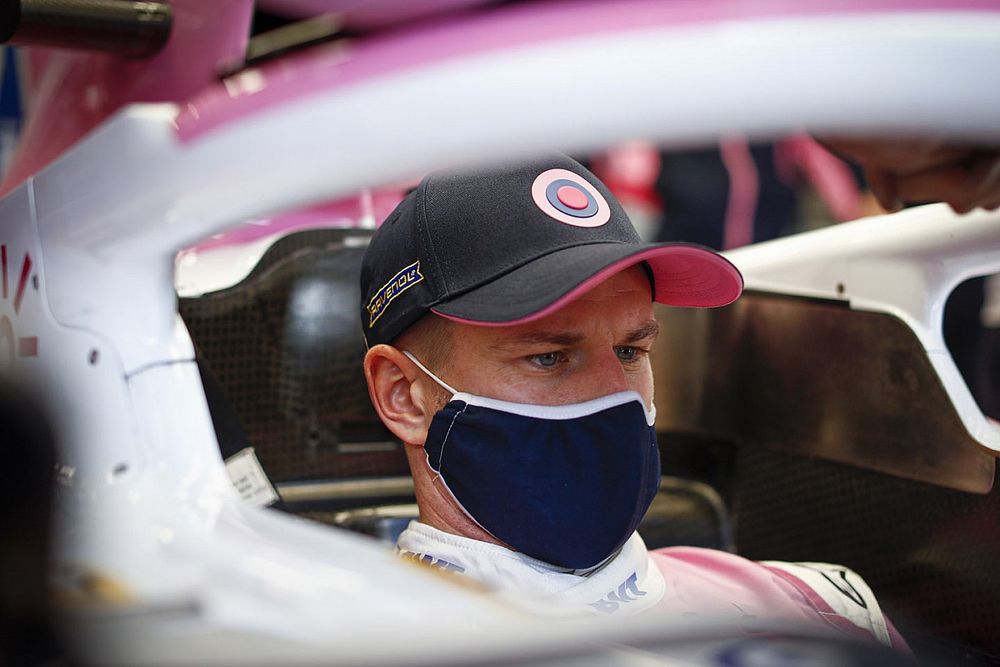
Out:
{"x": 285, "y": 347}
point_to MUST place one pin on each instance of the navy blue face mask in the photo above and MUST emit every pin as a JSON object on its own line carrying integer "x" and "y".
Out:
{"x": 566, "y": 484}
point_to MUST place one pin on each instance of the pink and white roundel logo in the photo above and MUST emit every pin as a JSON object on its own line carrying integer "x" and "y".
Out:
{"x": 568, "y": 198}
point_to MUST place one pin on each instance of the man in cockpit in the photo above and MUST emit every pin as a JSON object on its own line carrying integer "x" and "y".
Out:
{"x": 508, "y": 313}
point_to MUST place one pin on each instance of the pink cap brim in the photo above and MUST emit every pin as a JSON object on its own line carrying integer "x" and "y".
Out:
{"x": 683, "y": 275}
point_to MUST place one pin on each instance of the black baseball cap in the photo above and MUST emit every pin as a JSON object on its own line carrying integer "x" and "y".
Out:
{"x": 509, "y": 244}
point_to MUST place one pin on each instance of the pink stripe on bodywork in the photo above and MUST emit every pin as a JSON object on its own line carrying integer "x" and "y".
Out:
{"x": 368, "y": 208}
{"x": 22, "y": 283}
{"x": 340, "y": 65}
{"x": 27, "y": 346}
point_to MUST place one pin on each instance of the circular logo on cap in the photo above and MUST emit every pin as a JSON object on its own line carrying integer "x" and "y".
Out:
{"x": 569, "y": 198}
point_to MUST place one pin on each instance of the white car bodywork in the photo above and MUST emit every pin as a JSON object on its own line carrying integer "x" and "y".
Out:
{"x": 144, "y": 499}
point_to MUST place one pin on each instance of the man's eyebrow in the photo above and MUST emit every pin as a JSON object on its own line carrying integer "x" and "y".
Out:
{"x": 568, "y": 339}
{"x": 555, "y": 338}
{"x": 648, "y": 330}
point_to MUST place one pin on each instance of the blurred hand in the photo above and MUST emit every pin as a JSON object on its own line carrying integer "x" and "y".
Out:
{"x": 905, "y": 171}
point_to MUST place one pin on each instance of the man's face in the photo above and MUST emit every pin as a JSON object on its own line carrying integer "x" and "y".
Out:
{"x": 594, "y": 346}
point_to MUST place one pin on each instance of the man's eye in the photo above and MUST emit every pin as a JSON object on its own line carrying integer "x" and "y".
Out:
{"x": 547, "y": 360}
{"x": 627, "y": 353}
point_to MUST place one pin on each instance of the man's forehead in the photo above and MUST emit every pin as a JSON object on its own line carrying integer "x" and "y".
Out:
{"x": 621, "y": 305}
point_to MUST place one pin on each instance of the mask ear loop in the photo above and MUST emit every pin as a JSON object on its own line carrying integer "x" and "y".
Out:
{"x": 444, "y": 385}
{"x": 437, "y": 474}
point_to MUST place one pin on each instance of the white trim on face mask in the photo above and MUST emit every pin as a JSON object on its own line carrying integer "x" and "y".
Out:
{"x": 558, "y": 412}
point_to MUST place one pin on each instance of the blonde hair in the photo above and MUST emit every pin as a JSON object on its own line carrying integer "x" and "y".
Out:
{"x": 430, "y": 339}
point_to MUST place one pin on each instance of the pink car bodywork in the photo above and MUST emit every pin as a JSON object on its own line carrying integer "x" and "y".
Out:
{"x": 73, "y": 93}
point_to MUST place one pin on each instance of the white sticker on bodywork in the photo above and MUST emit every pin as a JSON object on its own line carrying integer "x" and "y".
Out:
{"x": 249, "y": 479}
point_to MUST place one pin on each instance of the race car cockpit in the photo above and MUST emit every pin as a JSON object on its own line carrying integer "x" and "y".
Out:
{"x": 790, "y": 426}
{"x": 171, "y": 321}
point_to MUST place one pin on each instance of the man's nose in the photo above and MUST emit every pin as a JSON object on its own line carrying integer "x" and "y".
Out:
{"x": 606, "y": 375}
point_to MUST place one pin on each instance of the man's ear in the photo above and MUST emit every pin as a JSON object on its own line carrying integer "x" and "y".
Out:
{"x": 398, "y": 394}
